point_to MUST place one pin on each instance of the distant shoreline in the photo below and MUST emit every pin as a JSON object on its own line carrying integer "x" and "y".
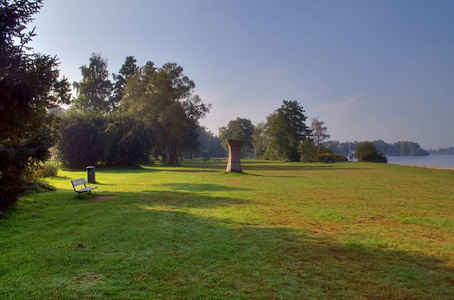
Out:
{"x": 427, "y": 167}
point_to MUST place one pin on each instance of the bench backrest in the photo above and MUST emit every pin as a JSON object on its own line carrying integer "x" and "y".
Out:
{"x": 80, "y": 181}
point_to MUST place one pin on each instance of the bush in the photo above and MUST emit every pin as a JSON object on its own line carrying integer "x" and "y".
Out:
{"x": 367, "y": 152}
{"x": 331, "y": 157}
{"x": 115, "y": 139}
{"x": 308, "y": 151}
{"x": 48, "y": 169}
{"x": 128, "y": 141}
{"x": 80, "y": 140}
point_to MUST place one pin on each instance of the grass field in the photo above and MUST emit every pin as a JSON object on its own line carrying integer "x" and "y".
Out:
{"x": 278, "y": 231}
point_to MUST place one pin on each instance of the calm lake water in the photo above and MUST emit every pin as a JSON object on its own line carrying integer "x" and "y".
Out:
{"x": 431, "y": 160}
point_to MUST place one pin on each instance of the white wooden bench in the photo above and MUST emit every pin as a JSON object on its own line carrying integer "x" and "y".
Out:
{"x": 81, "y": 181}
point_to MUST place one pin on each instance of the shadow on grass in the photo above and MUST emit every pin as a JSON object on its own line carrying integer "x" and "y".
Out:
{"x": 208, "y": 187}
{"x": 249, "y": 258}
{"x": 147, "y": 244}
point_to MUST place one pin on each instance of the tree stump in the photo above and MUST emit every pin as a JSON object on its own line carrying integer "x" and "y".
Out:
{"x": 234, "y": 164}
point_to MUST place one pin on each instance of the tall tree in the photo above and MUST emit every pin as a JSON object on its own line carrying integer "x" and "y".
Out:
{"x": 286, "y": 129}
{"x": 260, "y": 140}
{"x": 319, "y": 132}
{"x": 239, "y": 128}
{"x": 29, "y": 87}
{"x": 128, "y": 69}
{"x": 95, "y": 88}
{"x": 164, "y": 98}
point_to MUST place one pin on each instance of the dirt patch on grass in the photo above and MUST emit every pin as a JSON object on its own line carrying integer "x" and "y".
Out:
{"x": 103, "y": 198}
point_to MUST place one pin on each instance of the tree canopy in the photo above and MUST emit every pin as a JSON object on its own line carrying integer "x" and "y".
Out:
{"x": 127, "y": 70}
{"x": 286, "y": 129}
{"x": 240, "y": 128}
{"x": 164, "y": 98}
{"x": 319, "y": 132}
{"x": 367, "y": 152}
{"x": 29, "y": 87}
{"x": 95, "y": 88}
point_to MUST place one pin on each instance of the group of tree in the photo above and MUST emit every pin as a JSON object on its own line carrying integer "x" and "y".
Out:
{"x": 29, "y": 87}
{"x": 145, "y": 110}
{"x": 442, "y": 151}
{"x": 209, "y": 145}
{"x": 401, "y": 148}
{"x": 284, "y": 136}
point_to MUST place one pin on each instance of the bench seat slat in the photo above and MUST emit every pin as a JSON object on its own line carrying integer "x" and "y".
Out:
{"x": 86, "y": 189}
{"x": 81, "y": 181}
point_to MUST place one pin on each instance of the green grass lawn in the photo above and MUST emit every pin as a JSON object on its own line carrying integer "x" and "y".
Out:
{"x": 278, "y": 231}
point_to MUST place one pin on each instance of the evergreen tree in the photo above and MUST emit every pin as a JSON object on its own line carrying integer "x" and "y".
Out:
{"x": 286, "y": 129}
{"x": 29, "y": 87}
{"x": 128, "y": 69}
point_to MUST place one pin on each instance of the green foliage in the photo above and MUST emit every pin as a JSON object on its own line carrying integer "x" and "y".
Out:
{"x": 163, "y": 99}
{"x": 29, "y": 86}
{"x": 209, "y": 145}
{"x": 308, "y": 151}
{"x": 442, "y": 151}
{"x": 48, "y": 169}
{"x": 286, "y": 129}
{"x": 366, "y": 151}
{"x": 319, "y": 132}
{"x": 394, "y": 149}
{"x": 328, "y": 157}
{"x": 81, "y": 140}
{"x": 95, "y": 88}
{"x": 128, "y": 69}
{"x": 239, "y": 128}
{"x": 114, "y": 139}
{"x": 128, "y": 140}
{"x": 260, "y": 140}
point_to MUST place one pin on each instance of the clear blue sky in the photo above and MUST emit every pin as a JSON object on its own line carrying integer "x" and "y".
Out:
{"x": 369, "y": 69}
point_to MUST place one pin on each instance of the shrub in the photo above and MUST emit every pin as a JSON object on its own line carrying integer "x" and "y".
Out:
{"x": 331, "y": 157}
{"x": 308, "y": 151}
{"x": 366, "y": 151}
{"x": 48, "y": 169}
{"x": 80, "y": 140}
{"x": 128, "y": 141}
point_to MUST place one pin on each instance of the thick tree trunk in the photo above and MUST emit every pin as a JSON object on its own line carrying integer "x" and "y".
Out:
{"x": 234, "y": 164}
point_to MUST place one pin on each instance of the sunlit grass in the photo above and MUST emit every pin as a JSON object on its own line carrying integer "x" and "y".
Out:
{"x": 279, "y": 230}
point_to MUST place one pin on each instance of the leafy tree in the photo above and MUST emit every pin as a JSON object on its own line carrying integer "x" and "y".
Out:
{"x": 209, "y": 144}
{"x": 164, "y": 99}
{"x": 308, "y": 151}
{"x": 239, "y": 128}
{"x": 128, "y": 69}
{"x": 127, "y": 140}
{"x": 29, "y": 86}
{"x": 95, "y": 88}
{"x": 319, "y": 132}
{"x": 286, "y": 129}
{"x": 366, "y": 151}
{"x": 260, "y": 140}
{"x": 76, "y": 152}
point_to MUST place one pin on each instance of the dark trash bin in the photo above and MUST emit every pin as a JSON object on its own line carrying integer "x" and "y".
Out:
{"x": 91, "y": 177}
